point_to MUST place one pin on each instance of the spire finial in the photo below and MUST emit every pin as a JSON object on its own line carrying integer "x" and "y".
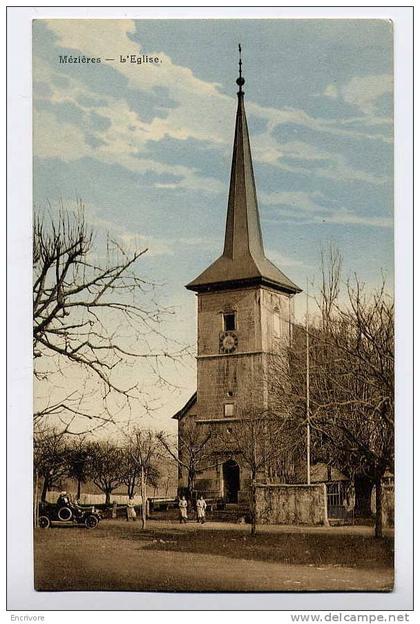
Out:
{"x": 240, "y": 81}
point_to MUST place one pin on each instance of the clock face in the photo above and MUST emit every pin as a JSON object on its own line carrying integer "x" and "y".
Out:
{"x": 228, "y": 342}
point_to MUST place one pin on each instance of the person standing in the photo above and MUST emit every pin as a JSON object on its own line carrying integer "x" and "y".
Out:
{"x": 183, "y": 505}
{"x": 201, "y": 510}
{"x": 131, "y": 512}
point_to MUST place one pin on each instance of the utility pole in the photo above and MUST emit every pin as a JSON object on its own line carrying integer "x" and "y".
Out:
{"x": 308, "y": 428}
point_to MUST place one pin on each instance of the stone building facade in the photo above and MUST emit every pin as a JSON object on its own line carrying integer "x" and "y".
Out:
{"x": 245, "y": 314}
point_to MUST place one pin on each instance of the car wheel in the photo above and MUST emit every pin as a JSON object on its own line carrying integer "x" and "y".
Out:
{"x": 65, "y": 514}
{"x": 91, "y": 522}
{"x": 44, "y": 522}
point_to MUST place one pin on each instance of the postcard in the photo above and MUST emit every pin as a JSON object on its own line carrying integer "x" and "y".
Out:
{"x": 213, "y": 305}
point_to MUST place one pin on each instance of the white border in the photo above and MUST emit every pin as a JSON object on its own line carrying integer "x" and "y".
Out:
{"x": 21, "y": 595}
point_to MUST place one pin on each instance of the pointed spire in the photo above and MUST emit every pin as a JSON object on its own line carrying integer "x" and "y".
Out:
{"x": 243, "y": 260}
{"x": 243, "y": 231}
{"x": 240, "y": 81}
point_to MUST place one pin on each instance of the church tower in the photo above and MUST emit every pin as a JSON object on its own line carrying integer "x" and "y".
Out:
{"x": 245, "y": 311}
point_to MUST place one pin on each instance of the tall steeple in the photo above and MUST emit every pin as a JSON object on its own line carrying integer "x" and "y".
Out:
{"x": 243, "y": 261}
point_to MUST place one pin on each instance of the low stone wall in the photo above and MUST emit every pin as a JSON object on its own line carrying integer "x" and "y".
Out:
{"x": 292, "y": 504}
{"x": 388, "y": 504}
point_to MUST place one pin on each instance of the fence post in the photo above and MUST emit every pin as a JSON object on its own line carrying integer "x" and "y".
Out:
{"x": 324, "y": 491}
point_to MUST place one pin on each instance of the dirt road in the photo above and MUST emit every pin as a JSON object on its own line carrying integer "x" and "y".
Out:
{"x": 213, "y": 557}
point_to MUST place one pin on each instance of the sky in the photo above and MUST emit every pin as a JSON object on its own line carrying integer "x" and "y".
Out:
{"x": 147, "y": 147}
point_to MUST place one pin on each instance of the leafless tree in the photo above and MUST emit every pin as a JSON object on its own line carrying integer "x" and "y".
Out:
{"x": 88, "y": 311}
{"x": 80, "y": 453}
{"x": 142, "y": 452}
{"x": 50, "y": 458}
{"x": 351, "y": 380}
{"x": 194, "y": 451}
{"x": 331, "y": 274}
{"x": 106, "y": 467}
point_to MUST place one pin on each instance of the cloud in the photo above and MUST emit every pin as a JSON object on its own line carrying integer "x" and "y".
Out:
{"x": 129, "y": 240}
{"x": 304, "y": 208}
{"x": 301, "y": 200}
{"x": 122, "y": 138}
{"x": 197, "y": 112}
{"x": 133, "y": 241}
{"x": 347, "y": 217}
{"x": 310, "y": 160}
{"x": 57, "y": 139}
{"x": 281, "y": 260}
{"x": 277, "y": 117}
{"x": 363, "y": 92}
{"x": 331, "y": 91}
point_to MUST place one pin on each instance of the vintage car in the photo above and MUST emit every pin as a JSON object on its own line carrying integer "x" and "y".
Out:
{"x": 68, "y": 513}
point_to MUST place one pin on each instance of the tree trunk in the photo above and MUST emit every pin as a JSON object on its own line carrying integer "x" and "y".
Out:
{"x": 107, "y": 497}
{"x": 79, "y": 488}
{"x": 363, "y": 491}
{"x": 45, "y": 488}
{"x": 378, "y": 500}
{"x": 190, "y": 488}
{"x": 143, "y": 499}
{"x": 130, "y": 488}
{"x": 253, "y": 505}
{"x": 36, "y": 499}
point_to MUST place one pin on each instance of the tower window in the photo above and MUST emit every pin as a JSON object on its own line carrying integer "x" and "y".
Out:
{"x": 229, "y": 409}
{"x": 229, "y": 321}
{"x": 277, "y": 323}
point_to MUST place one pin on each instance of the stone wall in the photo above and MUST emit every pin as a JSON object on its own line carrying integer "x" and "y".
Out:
{"x": 292, "y": 504}
{"x": 388, "y": 504}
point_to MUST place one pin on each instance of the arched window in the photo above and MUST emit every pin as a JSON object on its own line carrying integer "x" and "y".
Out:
{"x": 276, "y": 323}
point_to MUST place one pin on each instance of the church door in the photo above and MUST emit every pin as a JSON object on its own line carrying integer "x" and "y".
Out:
{"x": 231, "y": 482}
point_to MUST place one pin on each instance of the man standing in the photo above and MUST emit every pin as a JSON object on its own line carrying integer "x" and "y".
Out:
{"x": 201, "y": 510}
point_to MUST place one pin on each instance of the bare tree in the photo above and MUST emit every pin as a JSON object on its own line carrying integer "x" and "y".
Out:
{"x": 131, "y": 466}
{"x": 331, "y": 270}
{"x": 352, "y": 380}
{"x": 50, "y": 458}
{"x": 80, "y": 454}
{"x": 106, "y": 467}
{"x": 194, "y": 451}
{"x": 88, "y": 311}
{"x": 143, "y": 451}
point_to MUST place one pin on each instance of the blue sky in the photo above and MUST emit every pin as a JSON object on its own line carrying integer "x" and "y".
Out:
{"x": 148, "y": 147}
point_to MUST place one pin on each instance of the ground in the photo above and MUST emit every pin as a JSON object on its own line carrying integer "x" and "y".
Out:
{"x": 214, "y": 557}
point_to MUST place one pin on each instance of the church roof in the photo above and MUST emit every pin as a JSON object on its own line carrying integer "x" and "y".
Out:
{"x": 243, "y": 260}
{"x": 190, "y": 403}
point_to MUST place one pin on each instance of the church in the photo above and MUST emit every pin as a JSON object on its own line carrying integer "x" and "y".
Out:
{"x": 245, "y": 315}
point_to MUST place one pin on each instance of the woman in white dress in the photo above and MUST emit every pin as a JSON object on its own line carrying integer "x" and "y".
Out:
{"x": 131, "y": 512}
{"x": 201, "y": 510}
{"x": 183, "y": 506}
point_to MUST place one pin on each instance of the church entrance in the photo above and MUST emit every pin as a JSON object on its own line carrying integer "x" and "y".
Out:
{"x": 231, "y": 482}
